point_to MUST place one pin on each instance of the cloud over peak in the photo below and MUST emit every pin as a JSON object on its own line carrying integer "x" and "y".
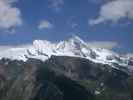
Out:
{"x": 114, "y": 11}
{"x": 103, "y": 44}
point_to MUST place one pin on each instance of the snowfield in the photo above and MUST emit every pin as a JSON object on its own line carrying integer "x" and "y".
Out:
{"x": 75, "y": 47}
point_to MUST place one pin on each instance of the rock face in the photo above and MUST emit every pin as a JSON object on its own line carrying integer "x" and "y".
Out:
{"x": 63, "y": 78}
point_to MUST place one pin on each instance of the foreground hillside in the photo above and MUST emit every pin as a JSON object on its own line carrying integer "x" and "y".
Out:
{"x": 64, "y": 78}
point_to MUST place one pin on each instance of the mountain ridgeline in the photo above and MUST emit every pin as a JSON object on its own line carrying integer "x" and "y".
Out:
{"x": 64, "y": 78}
{"x": 73, "y": 47}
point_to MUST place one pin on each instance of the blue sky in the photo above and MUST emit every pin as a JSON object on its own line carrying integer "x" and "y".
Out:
{"x": 103, "y": 21}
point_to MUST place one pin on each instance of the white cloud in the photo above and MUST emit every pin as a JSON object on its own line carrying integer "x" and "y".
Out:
{"x": 74, "y": 25}
{"x": 56, "y": 4}
{"x": 103, "y": 44}
{"x": 9, "y": 16}
{"x": 11, "y": 1}
{"x": 129, "y": 55}
{"x": 45, "y": 25}
{"x": 2, "y": 48}
{"x": 114, "y": 11}
{"x": 97, "y": 1}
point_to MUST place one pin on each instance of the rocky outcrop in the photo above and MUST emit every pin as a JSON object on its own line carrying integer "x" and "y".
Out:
{"x": 63, "y": 78}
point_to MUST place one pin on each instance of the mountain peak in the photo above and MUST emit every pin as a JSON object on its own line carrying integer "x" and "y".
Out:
{"x": 74, "y": 46}
{"x": 76, "y": 38}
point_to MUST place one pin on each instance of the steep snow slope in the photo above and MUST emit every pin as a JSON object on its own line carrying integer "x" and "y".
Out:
{"x": 43, "y": 49}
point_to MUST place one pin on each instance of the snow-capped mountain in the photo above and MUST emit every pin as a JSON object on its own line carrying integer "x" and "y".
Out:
{"x": 76, "y": 47}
